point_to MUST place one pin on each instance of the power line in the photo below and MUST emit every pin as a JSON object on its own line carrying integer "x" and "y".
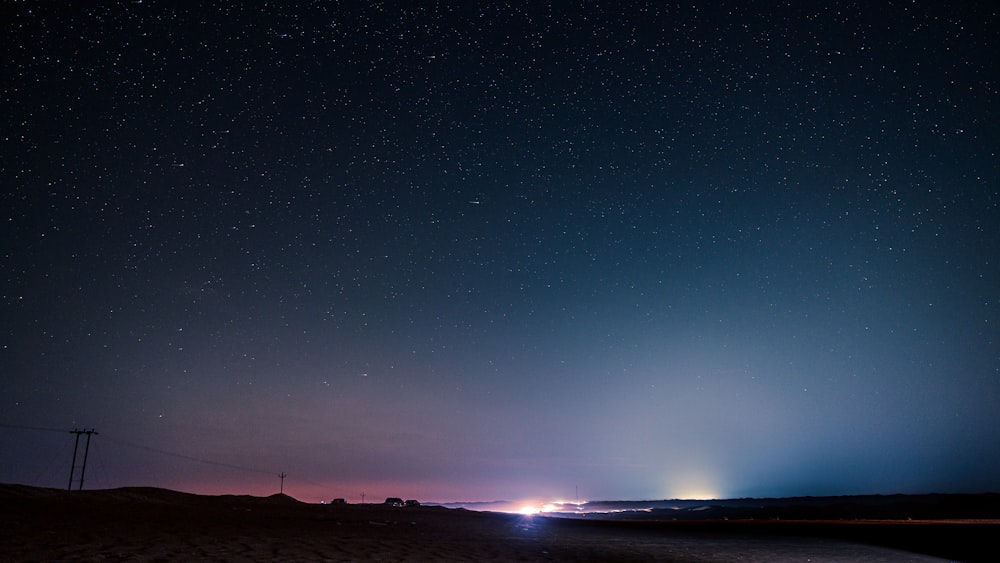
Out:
{"x": 188, "y": 457}
{"x": 21, "y": 427}
{"x": 149, "y": 449}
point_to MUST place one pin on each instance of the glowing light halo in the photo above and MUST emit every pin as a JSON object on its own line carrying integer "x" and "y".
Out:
{"x": 695, "y": 481}
{"x": 693, "y": 486}
{"x": 696, "y": 494}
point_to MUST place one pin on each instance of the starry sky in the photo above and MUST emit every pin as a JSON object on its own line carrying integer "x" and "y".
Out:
{"x": 478, "y": 250}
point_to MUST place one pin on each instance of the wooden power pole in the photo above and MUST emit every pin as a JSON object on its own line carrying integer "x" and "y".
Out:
{"x": 86, "y": 450}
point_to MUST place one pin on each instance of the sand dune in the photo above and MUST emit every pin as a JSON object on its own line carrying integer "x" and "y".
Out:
{"x": 146, "y": 524}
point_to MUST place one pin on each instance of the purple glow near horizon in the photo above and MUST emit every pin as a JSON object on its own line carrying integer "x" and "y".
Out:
{"x": 520, "y": 251}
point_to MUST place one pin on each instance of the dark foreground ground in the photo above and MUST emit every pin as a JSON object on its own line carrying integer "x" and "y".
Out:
{"x": 144, "y": 524}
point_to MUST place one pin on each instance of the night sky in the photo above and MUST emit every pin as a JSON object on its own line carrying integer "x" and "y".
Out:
{"x": 476, "y": 251}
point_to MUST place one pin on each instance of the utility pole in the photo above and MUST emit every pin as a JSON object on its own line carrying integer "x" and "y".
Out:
{"x": 362, "y": 497}
{"x": 86, "y": 450}
{"x": 282, "y": 476}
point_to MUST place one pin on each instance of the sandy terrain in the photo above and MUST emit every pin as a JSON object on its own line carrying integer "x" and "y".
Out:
{"x": 157, "y": 525}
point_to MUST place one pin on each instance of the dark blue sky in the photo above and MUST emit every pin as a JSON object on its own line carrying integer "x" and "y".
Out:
{"x": 638, "y": 250}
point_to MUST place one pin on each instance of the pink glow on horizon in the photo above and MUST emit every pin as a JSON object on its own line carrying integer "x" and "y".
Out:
{"x": 314, "y": 492}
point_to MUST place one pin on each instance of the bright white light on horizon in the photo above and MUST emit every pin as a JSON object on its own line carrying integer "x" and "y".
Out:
{"x": 558, "y": 506}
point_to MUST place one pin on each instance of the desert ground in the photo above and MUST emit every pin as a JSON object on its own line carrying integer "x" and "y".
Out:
{"x": 147, "y": 524}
